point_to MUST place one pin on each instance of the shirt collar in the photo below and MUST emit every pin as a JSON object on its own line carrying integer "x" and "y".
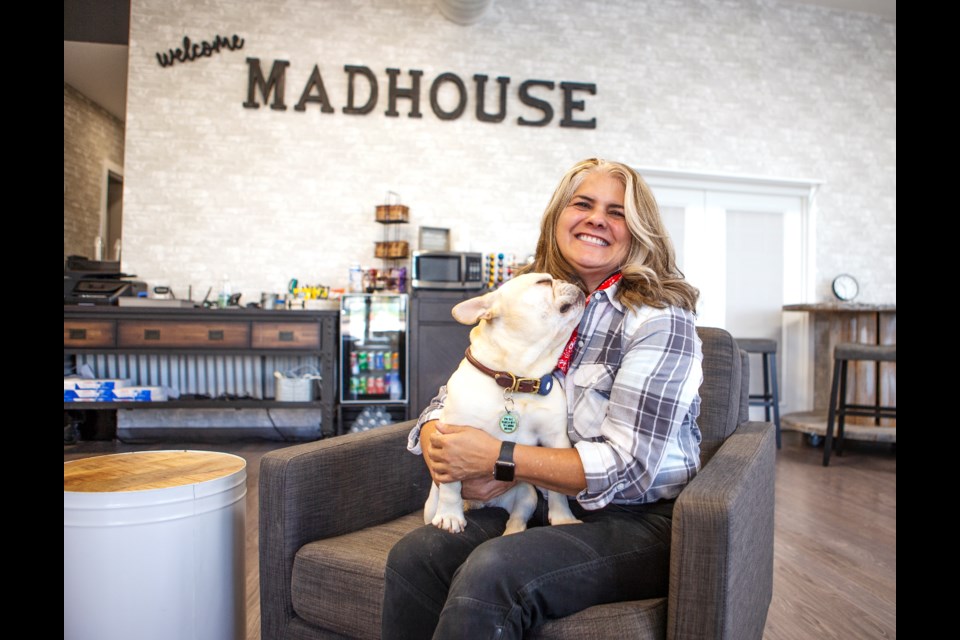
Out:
{"x": 610, "y": 293}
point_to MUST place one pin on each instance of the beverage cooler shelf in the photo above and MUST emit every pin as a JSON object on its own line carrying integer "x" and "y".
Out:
{"x": 373, "y": 352}
{"x": 374, "y": 375}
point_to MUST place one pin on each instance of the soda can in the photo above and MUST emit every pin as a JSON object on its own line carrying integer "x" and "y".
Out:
{"x": 353, "y": 385}
{"x": 371, "y": 385}
{"x": 354, "y": 363}
{"x": 388, "y": 361}
{"x": 379, "y": 360}
{"x": 362, "y": 358}
{"x": 396, "y": 359}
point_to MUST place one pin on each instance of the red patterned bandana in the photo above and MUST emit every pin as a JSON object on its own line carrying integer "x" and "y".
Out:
{"x": 564, "y": 362}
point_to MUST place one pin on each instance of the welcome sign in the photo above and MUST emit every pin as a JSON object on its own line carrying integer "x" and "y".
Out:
{"x": 447, "y": 93}
{"x": 361, "y": 80}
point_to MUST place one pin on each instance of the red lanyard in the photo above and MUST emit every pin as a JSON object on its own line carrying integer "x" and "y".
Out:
{"x": 564, "y": 362}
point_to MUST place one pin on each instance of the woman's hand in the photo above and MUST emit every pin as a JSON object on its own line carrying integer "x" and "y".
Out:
{"x": 466, "y": 454}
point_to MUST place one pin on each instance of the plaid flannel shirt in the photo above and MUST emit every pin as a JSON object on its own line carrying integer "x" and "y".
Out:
{"x": 632, "y": 402}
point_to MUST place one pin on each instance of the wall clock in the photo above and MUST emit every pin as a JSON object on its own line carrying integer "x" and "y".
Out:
{"x": 845, "y": 287}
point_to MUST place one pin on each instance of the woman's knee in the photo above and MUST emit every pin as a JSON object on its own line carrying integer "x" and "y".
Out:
{"x": 494, "y": 572}
{"x": 415, "y": 551}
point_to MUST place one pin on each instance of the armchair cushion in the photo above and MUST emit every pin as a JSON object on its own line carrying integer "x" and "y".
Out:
{"x": 338, "y": 582}
{"x": 637, "y": 620}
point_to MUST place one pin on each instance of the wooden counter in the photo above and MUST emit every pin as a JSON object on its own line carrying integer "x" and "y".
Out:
{"x": 228, "y": 354}
{"x": 835, "y": 322}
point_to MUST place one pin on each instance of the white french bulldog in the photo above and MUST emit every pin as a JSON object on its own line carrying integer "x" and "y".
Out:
{"x": 523, "y": 328}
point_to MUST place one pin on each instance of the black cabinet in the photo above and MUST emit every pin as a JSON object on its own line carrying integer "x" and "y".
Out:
{"x": 437, "y": 343}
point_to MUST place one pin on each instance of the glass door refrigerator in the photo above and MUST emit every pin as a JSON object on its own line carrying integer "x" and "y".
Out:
{"x": 373, "y": 360}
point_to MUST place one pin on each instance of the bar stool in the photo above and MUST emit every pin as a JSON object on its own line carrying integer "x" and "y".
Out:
{"x": 839, "y": 407}
{"x": 770, "y": 398}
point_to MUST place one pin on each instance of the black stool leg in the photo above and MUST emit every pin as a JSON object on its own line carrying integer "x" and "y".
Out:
{"x": 766, "y": 387}
{"x": 842, "y": 410}
{"x": 831, "y": 412}
{"x": 776, "y": 395}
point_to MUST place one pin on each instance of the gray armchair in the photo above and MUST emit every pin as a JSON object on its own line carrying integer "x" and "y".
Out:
{"x": 331, "y": 510}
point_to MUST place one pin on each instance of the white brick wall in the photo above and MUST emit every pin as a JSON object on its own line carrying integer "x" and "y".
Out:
{"x": 92, "y": 140}
{"x": 757, "y": 87}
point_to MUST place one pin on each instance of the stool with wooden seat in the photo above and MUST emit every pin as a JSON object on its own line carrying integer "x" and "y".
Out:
{"x": 770, "y": 398}
{"x": 840, "y": 408}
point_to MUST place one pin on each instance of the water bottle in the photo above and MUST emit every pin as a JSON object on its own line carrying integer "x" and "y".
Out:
{"x": 224, "y": 298}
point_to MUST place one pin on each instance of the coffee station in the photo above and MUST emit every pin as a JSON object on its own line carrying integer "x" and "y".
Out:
{"x": 312, "y": 361}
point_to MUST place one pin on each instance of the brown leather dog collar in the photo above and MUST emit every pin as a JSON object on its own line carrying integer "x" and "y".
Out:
{"x": 507, "y": 380}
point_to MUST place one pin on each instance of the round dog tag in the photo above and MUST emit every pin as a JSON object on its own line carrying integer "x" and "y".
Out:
{"x": 509, "y": 423}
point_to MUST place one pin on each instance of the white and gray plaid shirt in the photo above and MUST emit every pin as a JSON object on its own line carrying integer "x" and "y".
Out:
{"x": 633, "y": 400}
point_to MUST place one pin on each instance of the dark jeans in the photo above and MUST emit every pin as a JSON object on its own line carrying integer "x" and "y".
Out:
{"x": 480, "y": 584}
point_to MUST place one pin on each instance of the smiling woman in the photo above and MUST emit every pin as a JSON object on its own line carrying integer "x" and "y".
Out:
{"x": 603, "y": 219}
{"x": 591, "y": 231}
{"x": 630, "y": 376}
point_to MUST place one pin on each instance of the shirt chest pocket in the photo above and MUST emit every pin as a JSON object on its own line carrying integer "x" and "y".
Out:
{"x": 594, "y": 378}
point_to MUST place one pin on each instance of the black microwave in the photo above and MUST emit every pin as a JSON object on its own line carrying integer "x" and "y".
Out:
{"x": 447, "y": 270}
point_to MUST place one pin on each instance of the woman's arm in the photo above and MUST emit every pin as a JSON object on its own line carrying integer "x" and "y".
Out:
{"x": 455, "y": 452}
{"x": 639, "y": 440}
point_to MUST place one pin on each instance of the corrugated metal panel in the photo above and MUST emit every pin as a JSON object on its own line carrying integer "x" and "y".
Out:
{"x": 211, "y": 375}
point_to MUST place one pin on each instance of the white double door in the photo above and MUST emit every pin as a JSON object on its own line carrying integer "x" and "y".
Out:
{"x": 747, "y": 248}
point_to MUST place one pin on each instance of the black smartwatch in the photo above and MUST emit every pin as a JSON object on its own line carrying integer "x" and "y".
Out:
{"x": 504, "y": 467}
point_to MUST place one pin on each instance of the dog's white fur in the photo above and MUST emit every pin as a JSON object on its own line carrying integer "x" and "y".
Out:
{"x": 523, "y": 328}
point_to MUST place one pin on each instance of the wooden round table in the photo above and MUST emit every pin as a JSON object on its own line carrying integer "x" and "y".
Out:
{"x": 153, "y": 546}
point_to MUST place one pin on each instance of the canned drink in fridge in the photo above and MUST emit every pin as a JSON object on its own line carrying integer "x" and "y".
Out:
{"x": 378, "y": 360}
{"x": 387, "y": 361}
{"x": 396, "y": 359}
{"x": 353, "y": 385}
{"x": 362, "y": 358}
{"x": 371, "y": 385}
{"x": 354, "y": 363}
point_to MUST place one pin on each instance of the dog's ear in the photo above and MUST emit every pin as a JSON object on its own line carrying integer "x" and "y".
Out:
{"x": 476, "y": 309}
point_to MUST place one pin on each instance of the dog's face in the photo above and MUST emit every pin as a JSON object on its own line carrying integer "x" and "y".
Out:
{"x": 530, "y": 313}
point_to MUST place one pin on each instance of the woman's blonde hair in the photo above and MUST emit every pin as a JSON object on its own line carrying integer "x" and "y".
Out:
{"x": 650, "y": 273}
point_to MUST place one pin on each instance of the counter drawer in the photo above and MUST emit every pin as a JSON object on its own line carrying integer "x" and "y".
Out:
{"x": 89, "y": 333}
{"x": 286, "y": 335}
{"x": 201, "y": 335}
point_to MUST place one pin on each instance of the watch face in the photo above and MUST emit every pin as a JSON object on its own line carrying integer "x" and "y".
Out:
{"x": 845, "y": 287}
{"x": 503, "y": 471}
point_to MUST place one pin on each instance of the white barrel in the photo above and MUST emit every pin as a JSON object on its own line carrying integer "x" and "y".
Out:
{"x": 153, "y": 546}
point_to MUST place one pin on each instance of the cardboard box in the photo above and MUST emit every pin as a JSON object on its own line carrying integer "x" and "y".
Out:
{"x": 94, "y": 384}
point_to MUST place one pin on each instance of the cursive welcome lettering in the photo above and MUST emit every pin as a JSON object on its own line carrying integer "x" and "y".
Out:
{"x": 193, "y": 50}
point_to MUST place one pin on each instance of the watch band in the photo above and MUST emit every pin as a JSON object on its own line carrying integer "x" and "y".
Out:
{"x": 504, "y": 467}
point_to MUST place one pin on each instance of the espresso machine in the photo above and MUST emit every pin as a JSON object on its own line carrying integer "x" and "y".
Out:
{"x": 97, "y": 282}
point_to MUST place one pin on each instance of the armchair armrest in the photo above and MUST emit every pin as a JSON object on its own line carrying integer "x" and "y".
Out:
{"x": 328, "y": 488}
{"x": 721, "y": 564}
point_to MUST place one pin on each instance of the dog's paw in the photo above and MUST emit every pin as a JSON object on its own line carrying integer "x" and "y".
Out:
{"x": 454, "y": 523}
{"x": 558, "y": 520}
{"x": 514, "y": 527}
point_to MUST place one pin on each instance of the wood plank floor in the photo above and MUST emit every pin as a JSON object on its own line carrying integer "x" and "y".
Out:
{"x": 835, "y": 549}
